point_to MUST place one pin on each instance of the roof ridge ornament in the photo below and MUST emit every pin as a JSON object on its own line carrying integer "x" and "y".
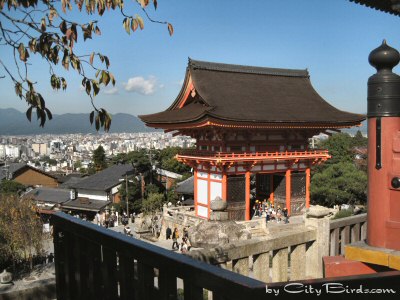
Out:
{"x": 384, "y": 86}
{"x": 235, "y": 68}
{"x": 384, "y": 58}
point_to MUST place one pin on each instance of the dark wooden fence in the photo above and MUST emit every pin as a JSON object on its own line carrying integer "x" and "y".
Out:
{"x": 96, "y": 263}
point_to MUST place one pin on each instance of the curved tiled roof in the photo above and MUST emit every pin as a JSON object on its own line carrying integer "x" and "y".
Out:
{"x": 236, "y": 93}
{"x": 389, "y": 6}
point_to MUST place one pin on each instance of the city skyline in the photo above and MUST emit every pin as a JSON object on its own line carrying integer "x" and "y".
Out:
{"x": 327, "y": 38}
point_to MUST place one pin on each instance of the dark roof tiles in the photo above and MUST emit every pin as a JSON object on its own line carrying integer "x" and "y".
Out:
{"x": 389, "y": 6}
{"x": 51, "y": 195}
{"x": 252, "y": 94}
{"x": 104, "y": 180}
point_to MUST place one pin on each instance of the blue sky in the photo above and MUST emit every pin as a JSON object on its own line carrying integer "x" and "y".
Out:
{"x": 332, "y": 39}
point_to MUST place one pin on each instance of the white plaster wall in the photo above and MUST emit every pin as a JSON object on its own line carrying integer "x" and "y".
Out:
{"x": 216, "y": 176}
{"x": 202, "y": 175}
{"x": 202, "y": 211}
{"x": 268, "y": 167}
{"x": 94, "y": 197}
{"x": 215, "y": 190}
{"x": 281, "y": 167}
{"x": 202, "y": 191}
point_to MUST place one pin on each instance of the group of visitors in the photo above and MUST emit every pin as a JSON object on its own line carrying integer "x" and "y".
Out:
{"x": 267, "y": 209}
{"x": 184, "y": 245}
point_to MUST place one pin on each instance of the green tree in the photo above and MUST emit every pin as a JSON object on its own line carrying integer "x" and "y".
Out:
{"x": 77, "y": 165}
{"x": 99, "y": 159}
{"x": 21, "y": 230}
{"x": 359, "y": 140}
{"x": 140, "y": 159}
{"x": 339, "y": 146}
{"x": 340, "y": 183}
{"x": 152, "y": 204}
{"x": 167, "y": 160}
{"x": 133, "y": 194}
{"x": 48, "y": 29}
{"x": 340, "y": 180}
{"x": 151, "y": 189}
{"x": 11, "y": 187}
{"x": 50, "y": 161}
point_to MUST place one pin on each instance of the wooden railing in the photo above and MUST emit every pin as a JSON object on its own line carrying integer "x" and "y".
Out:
{"x": 252, "y": 155}
{"x": 345, "y": 231}
{"x": 96, "y": 263}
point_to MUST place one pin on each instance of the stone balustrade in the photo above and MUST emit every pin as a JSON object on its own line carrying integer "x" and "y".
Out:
{"x": 345, "y": 231}
{"x": 281, "y": 257}
{"x": 180, "y": 217}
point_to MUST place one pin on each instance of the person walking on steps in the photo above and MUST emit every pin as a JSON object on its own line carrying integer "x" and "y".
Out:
{"x": 175, "y": 236}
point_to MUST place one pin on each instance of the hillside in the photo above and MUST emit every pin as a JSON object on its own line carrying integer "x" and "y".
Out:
{"x": 14, "y": 122}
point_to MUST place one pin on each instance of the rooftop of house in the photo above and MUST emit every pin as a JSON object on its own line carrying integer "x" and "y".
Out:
{"x": 14, "y": 169}
{"x": 105, "y": 179}
{"x": 50, "y": 195}
{"x": 186, "y": 186}
{"x": 85, "y": 204}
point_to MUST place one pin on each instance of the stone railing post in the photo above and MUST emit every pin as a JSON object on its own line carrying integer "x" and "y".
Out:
{"x": 317, "y": 219}
{"x": 261, "y": 267}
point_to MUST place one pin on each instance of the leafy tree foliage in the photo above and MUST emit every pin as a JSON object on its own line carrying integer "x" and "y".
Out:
{"x": 139, "y": 158}
{"x": 359, "y": 140}
{"x": 340, "y": 183}
{"x": 153, "y": 203}
{"x": 77, "y": 165}
{"x": 339, "y": 146}
{"x": 152, "y": 189}
{"x": 167, "y": 160}
{"x": 340, "y": 180}
{"x": 99, "y": 158}
{"x": 133, "y": 194}
{"x": 48, "y": 29}
{"x": 11, "y": 187}
{"x": 50, "y": 161}
{"x": 20, "y": 230}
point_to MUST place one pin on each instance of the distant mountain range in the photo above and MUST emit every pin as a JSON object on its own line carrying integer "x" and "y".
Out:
{"x": 14, "y": 122}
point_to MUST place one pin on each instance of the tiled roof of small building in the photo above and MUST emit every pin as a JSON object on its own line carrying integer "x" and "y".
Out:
{"x": 105, "y": 179}
{"x": 51, "y": 195}
{"x": 85, "y": 204}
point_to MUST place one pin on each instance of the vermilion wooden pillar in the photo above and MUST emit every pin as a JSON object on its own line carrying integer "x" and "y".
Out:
{"x": 271, "y": 195}
{"x": 248, "y": 217}
{"x": 308, "y": 181}
{"x": 224, "y": 186}
{"x": 288, "y": 189}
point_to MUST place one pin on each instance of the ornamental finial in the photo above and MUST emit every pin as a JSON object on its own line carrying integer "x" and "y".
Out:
{"x": 384, "y": 57}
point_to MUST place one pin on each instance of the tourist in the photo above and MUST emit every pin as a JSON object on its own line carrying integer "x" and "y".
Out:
{"x": 267, "y": 216}
{"x": 264, "y": 205}
{"x": 127, "y": 230}
{"x": 185, "y": 245}
{"x": 185, "y": 233}
{"x": 168, "y": 233}
{"x": 286, "y": 215}
{"x": 279, "y": 214}
{"x": 257, "y": 209}
{"x": 175, "y": 236}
